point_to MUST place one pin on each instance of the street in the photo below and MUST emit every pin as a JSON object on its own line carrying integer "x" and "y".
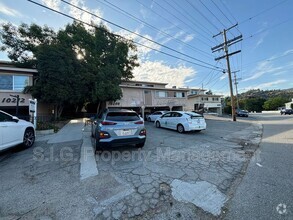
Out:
{"x": 187, "y": 176}
{"x": 266, "y": 190}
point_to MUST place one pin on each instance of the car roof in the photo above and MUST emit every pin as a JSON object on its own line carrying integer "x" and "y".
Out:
{"x": 184, "y": 112}
{"x": 119, "y": 110}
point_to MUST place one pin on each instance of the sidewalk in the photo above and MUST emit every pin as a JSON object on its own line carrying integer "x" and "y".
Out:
{"x": 72, "y": 131}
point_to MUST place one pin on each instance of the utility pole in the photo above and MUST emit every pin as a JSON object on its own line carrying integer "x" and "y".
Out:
{"x": 236, "y": 83}
{"x": 224, "y": 46}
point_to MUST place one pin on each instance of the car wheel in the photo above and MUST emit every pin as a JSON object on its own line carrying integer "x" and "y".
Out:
{"x": 149, "y": 119}
{"x": 158, "y": 125}
{"x": 140, "y": 145}
{"x": 28, "y": 137}
{"x": 180, "y": 128}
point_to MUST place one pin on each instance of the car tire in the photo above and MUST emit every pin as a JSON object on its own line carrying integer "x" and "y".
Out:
{"x": 149, "y": 119}
{"x": 158, "y": 125}
{"x": 28, "y": 138}
{"x": 140, "y": 145}
{"x": 180, "y": 128}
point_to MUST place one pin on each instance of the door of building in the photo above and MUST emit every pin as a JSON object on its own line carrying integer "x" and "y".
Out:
{"x": 148, "y": 97}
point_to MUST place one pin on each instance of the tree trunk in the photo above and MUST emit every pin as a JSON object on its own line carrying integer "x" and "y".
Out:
{"x": 98, "y": 107}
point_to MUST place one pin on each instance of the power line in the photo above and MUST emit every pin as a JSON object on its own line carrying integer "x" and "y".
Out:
{"x": 146, "y": 38}
{"x": 261, "y": 31}
{"x": 197, "y": 25}
{"x": 91, "y": 25}
{"x": 227, "y": 9}
{"x": 186, "y": 12}
{"x": 202, "y": 15}
{"x": 164, "y": 8}
{"x": 212, "y": 13}
{"x": 120, "y": 10}
{"x": 167, "y": 20}
{"x": 225, "y": 14}
{"x": 222, "y": 12}
{"x": 264, "y": 11}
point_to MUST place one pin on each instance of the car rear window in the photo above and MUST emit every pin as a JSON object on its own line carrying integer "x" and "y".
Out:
{"x": 122, "y": 116}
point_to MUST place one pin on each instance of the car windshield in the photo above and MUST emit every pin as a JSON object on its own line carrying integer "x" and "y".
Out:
{"x": 122, "y": 116}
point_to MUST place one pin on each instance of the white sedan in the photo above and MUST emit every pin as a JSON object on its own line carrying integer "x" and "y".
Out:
{"x": 181, "y": 121}
{"x": 14, "y": 131}
{"x": 155, "y": 115}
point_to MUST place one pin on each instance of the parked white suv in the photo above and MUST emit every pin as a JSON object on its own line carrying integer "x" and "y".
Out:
{"x": 14, "y": 131}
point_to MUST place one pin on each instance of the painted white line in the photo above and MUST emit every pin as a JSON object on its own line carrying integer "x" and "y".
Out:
{"x": 88, "y": 165}
{"x": 258, "y": 164}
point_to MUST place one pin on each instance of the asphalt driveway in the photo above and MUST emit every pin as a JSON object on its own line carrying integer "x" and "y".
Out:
{"x": 174, "y": 176}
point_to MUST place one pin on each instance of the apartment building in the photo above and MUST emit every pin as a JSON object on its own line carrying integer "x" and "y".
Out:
{"x": 199, "y": 100}
{"x": 13, "y": 80}
{"x": 147, "y": 97}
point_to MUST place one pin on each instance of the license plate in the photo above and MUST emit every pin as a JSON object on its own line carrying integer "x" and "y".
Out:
{"x": 126, "y": 132}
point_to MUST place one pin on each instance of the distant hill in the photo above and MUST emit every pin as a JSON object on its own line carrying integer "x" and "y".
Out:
{"x": 266, "y": 94}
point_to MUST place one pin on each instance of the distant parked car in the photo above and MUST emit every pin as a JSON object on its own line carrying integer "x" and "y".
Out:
{"x": 155, "y": 115}
{"x": 118, "y": 127}
{"x": 286, "y": 111}
{"x": 181, "y": 121}
{"x": 241, "y": 113}
{"x": 14, "y": 131}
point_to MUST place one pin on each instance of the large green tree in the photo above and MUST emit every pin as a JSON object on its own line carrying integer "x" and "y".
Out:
{"x": 75, "y": 65}
{"x": 274, "y": 103}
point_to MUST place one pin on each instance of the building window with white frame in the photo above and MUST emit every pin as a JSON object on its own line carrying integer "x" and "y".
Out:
{"x": 161, "y": 94}
{"x": 13, "y": 82}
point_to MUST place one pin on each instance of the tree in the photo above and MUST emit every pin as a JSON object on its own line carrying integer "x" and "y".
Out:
{"x": 75, "y": 65}
{"x": 274, "y": 103}
{"x": 254, "y": 104}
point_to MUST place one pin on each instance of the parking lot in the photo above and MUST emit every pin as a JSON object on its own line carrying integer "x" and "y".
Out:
{"x": 158, "y": 181}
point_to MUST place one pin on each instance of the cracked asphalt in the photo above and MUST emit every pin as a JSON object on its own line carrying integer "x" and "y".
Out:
{"x": 44, "y": 182}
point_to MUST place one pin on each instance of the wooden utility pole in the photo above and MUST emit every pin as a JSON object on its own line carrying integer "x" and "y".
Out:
{"x": 236, "y": 83}
{"x": 224, "y": 46}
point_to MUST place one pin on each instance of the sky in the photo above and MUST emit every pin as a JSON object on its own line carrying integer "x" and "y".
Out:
{"x": 175, "y": 37}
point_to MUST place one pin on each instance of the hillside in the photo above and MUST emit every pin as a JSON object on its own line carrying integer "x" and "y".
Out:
{"x": 266, "y": 94}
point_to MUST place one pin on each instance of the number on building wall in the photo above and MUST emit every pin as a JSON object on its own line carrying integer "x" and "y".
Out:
{"x": 12, "y": 100}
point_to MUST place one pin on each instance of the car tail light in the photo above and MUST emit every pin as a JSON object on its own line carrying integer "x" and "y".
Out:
{"x": 139, "y": 122}
{"x": 108, "y": 123}
{"x": 104, "y": 135}
{"x": 142, "y": 132}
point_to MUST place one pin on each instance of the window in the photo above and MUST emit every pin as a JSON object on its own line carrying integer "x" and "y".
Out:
{"x": 15, "y": 83}
{"x": 161, "y": 94}
{"x": 122, "y": 116}
{"x": 176, "y": 114}
{"x": 166, "y": 115}
{"x": 4, "y": 117}
{"x": 137, "y": 84}
{"x": 149, "y": 85}
{"x": 215, "y": 99}
{"x": 179, "y": 94}
{"x": 194, "y": 92}
{"x": 205, "y": 99}
{"x": 6, "y": 82}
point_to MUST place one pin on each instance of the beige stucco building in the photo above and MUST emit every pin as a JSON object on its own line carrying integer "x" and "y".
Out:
{"x": 13, "y": 80}
{"x": 198, "y": 100}
{"x": 146, "y": 97}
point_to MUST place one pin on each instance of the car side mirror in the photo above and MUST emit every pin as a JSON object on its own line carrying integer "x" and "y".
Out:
{"x": 15, "y": 119}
